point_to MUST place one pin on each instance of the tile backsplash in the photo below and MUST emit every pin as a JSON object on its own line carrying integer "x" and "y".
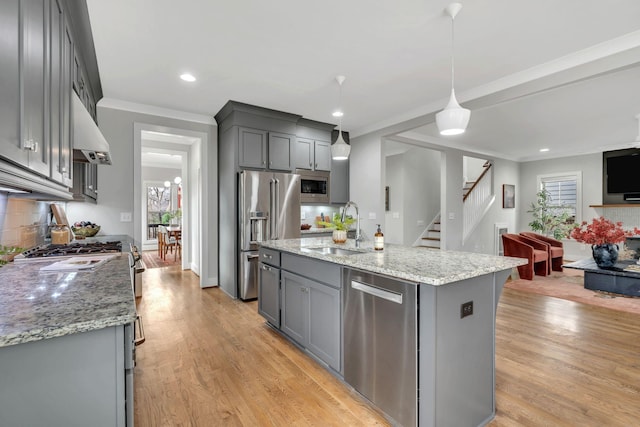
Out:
{"x": 23, "y": 222}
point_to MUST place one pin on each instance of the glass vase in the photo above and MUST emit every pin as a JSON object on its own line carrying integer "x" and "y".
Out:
{"x": 605, "y": 255}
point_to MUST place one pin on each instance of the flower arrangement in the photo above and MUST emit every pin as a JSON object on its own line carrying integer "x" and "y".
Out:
{"x": 601, "y": 231}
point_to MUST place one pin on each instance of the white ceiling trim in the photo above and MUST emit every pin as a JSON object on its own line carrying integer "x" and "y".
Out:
{"x": 578, "y": 65}
{"x": 134, "y": 107}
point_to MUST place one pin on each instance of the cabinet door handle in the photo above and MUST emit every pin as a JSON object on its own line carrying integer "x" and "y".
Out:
{"x": 264, "y": 163}
{"x": 63, "y": 169}
{"x": 266, "y": 268}
{"x": 91, "y": 187}
{"x": 310, "y": 164}
{"x": 267, "y": 256}
{"x": 316, "y": 166}
{"x": 270, "y": 163}
{"x": 30, "y": 144}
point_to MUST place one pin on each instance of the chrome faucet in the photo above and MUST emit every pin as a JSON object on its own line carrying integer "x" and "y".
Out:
{"x": 344, "y": 215}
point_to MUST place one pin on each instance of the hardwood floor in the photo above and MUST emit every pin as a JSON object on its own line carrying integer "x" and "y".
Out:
{"x": 209, "y": 361}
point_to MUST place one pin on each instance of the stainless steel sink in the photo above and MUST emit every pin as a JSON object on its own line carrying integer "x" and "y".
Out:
{"x": 332, "y": 251}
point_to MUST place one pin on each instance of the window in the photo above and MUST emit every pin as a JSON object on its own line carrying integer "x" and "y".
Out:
{"x": 565, "y": 190}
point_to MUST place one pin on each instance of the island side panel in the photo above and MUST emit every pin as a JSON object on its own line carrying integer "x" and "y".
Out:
{"x": 457, "y": 355}
{"x": 75, "y": 379}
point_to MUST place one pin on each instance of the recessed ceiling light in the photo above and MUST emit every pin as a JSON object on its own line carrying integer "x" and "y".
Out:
{"x": 187, "y": 77}
{"x": 337, "y": 113}
{"x": 544, "y": 150}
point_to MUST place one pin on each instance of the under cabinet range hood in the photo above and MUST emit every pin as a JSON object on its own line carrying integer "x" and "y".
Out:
{"x": 89, "y": 144}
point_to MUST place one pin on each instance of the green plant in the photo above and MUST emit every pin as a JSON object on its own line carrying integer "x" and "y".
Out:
{"x": 169, "y": 215}
{"x": 337, "y": 223}
{"x": 549, "y": 219}
{"x": 8, "y": 252}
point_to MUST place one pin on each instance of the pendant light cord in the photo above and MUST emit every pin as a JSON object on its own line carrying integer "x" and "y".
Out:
{"x": 452, "y": 52}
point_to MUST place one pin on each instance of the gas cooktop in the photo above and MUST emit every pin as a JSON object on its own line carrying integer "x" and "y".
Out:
{"x": 46, "y": 252}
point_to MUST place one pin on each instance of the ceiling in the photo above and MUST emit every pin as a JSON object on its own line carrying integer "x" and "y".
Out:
{"x": 535, "y": 74}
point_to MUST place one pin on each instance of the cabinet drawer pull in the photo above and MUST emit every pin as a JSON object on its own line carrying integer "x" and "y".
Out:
{"x": 316, "y": 166}
{"x": 266, "y": 268}
{"x": 310, "y": 164}
{"x": 267, "y": 256}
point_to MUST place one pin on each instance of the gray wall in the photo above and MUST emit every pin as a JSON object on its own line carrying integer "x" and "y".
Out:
{"x": 414, "y": 181}
{"x": 115, "y": 182}
{"x": 591, "y": 167}
{"x": 367, "y": 160}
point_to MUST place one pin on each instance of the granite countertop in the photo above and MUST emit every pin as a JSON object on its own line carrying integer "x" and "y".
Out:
{"x": 36, "y": 305}
{"x": 416, "y": 264}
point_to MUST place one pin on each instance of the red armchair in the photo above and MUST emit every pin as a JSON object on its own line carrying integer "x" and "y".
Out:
{"x": 555, "y": 249}
{"x": 533, "y": 250}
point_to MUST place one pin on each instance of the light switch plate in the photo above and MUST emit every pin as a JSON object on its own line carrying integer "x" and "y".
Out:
{"x": 452, "y": 215}
{"x": 372, "y": 215}
{"x": 125, "y": 216}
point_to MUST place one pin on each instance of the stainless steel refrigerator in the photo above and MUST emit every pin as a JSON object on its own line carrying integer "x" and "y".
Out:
{"x": 268, "y": 209}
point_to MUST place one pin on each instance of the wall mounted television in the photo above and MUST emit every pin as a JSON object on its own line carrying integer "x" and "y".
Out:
{"x": 623, "y": 172}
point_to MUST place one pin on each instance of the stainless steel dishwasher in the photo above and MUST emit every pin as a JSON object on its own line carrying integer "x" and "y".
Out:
{"x": 380, "y": 342}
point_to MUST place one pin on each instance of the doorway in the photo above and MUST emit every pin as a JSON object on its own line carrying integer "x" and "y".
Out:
{"x": 168, "y": 164}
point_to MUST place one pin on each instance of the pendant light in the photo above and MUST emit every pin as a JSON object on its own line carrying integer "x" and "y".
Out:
{"x": 453, "y": 120}
{"x": 340, "y": 149}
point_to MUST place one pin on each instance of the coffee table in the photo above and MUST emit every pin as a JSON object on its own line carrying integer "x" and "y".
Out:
{"x": 620, "y": 279}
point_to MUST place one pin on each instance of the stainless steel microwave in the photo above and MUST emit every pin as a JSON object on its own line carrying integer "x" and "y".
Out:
{"x": 314, "y": 186}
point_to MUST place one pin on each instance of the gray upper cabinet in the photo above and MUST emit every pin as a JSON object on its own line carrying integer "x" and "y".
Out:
{"x": 37, "y": 67}
{"x": 261, "y": 149}
{"x": 280, "y": 148}
{"x": 312, "y": 155}
{"x": 339, "y": 176}
{"x": 34, "y": 71}
{"x": 252, "y": 148}
{"x": 10, "y": 143}
{"x": 85, "y": 182}
{"x": 61, "y": 57}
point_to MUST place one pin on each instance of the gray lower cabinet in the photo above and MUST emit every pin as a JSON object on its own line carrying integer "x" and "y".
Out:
{"x": 311, "y": 316}
{"x": 269, "y": 293}
{"x": 74, "y": 380}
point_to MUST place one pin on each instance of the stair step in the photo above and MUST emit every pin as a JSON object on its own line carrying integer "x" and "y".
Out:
{"x": 437, "y": 239}
{"x": 433, "y": 230}
{"x": 429, "y": 247}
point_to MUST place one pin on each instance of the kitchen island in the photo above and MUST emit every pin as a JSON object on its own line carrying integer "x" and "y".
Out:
{"x": 66, "y": 344}
{"x": 446, "y": 358}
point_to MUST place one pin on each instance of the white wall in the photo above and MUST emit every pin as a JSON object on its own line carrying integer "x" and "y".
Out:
{"x": 159, "y": 174}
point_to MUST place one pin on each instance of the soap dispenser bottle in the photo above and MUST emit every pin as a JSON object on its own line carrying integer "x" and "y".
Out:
{"x": 378, "y": 240}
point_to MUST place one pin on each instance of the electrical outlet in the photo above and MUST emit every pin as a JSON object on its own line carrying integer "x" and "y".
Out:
{"x": 466, "y": 309}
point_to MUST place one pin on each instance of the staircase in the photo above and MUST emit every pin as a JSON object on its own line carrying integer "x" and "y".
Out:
{"x": 430, "y": 237}
{"x": 477, "y": 197}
